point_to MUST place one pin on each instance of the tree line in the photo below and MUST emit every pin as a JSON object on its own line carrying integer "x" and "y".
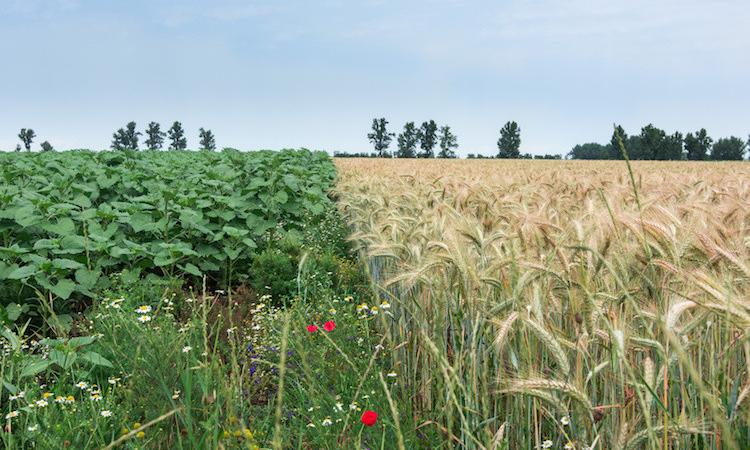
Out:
{"x": 655, "y": 144}
{"x": 651, "y": 144}
{"x": 413, "y": 142}
{"x": 128, "y": 138}
{"x": 420, "y": 142}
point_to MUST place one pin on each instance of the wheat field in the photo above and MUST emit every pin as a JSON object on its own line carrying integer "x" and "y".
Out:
{"x": 562, "y": 304}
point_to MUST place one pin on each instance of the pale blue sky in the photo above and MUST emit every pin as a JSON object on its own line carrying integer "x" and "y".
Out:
{"x": 273, "y": 74}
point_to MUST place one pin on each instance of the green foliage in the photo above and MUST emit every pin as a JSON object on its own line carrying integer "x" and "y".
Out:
{"x": 448, "y": 142}
{"x": 590, "y": 150}
{"x": 155, "y": 138}
{"x": 177, "y": 136}
{"x": 380, "y": 137}
{"x": 614, "y": 145}
{"x": 698, "y": 146}
{"x": 407, "y": 141}
{"x": 26, "y": 136}
{"x": 510, "y": 141}
{"x": 427, "y": 136}
{"x": 274, "y": 273}
{"x": 728, "y": 149}
{"x": 126, "y": 139}
{"x": 70, "y": 220}
{"x": 47, "y": 147}
{"x": 207, "y": 140}
{"x": 655, "y": 144}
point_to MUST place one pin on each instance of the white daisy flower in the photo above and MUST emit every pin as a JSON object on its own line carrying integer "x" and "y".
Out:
{"x": 143, "y": 309}
{"x": 106, "y": 413}
{"x": 144, "y": 318}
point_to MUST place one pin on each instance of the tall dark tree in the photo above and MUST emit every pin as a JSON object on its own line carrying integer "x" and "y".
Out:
{"x": 177, "y": 136}
{"x": 27, "y": 136}
{"x": 698, "y": 146}
{"x": 448, "y": 142}
{"x": 127, "y": 138}
{"x": 672, "y": 148}
{"x": 407, "y": 141}
{"x": 652, "y": 140}
{"x": 728, "y": 149}
{"x": 155, "y": 138}
{"x": 207, "y": 140}
{"x": 614, "y": 146}
{"x": 380, "y": 137}
{"x": 47, "y": 147}
{"x": 509, "y": 144}
{"x": 427, "y": 139}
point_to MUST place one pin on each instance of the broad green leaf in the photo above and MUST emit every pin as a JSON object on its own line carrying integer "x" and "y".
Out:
{"x": 140, "y": 222}
{"x": 96, "y": 359}
{"x": 62, "y": 227}
{"x": 26, "y": 216}
{"x": 82, "y": 201}
{"x": 281, "y": 197}
{"x": 64, "y": 288}
{"x": 11, "y": 388}
{"x": 72, "y": 244}
{"x": 62, "y": 263}
{"x": 234, "y": 232}
{"x": 192, "y": 270}
{"x": 34, "y": 367}
{"x": 62, "y": 358}
{"x": 23, "y": 272}
{"x": 14, "y": 311}
{"x": 164, "y": 259}
{"x": 80, "y": 341}
{"x": 87, "y": 278}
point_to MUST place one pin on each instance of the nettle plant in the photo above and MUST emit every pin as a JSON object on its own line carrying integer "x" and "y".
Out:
{"x": 69, "y": 220}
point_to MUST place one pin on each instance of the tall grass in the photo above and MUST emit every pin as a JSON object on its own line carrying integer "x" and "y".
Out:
{"x": 527, "y": 295}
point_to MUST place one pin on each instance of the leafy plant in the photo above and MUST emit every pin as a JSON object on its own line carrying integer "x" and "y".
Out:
{"x": 70, "y": 220}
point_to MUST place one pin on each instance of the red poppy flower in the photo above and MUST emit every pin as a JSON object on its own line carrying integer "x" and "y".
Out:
{"x": 369, "y": 418}
{"x": 329, "y": 326}
{"x": 312, "y": 328}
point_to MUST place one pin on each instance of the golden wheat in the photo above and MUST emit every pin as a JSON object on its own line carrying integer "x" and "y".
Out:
{"x": 525, "y": 288}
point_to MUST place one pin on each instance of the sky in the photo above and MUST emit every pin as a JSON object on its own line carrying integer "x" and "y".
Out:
{"x": 295, "y": 73}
